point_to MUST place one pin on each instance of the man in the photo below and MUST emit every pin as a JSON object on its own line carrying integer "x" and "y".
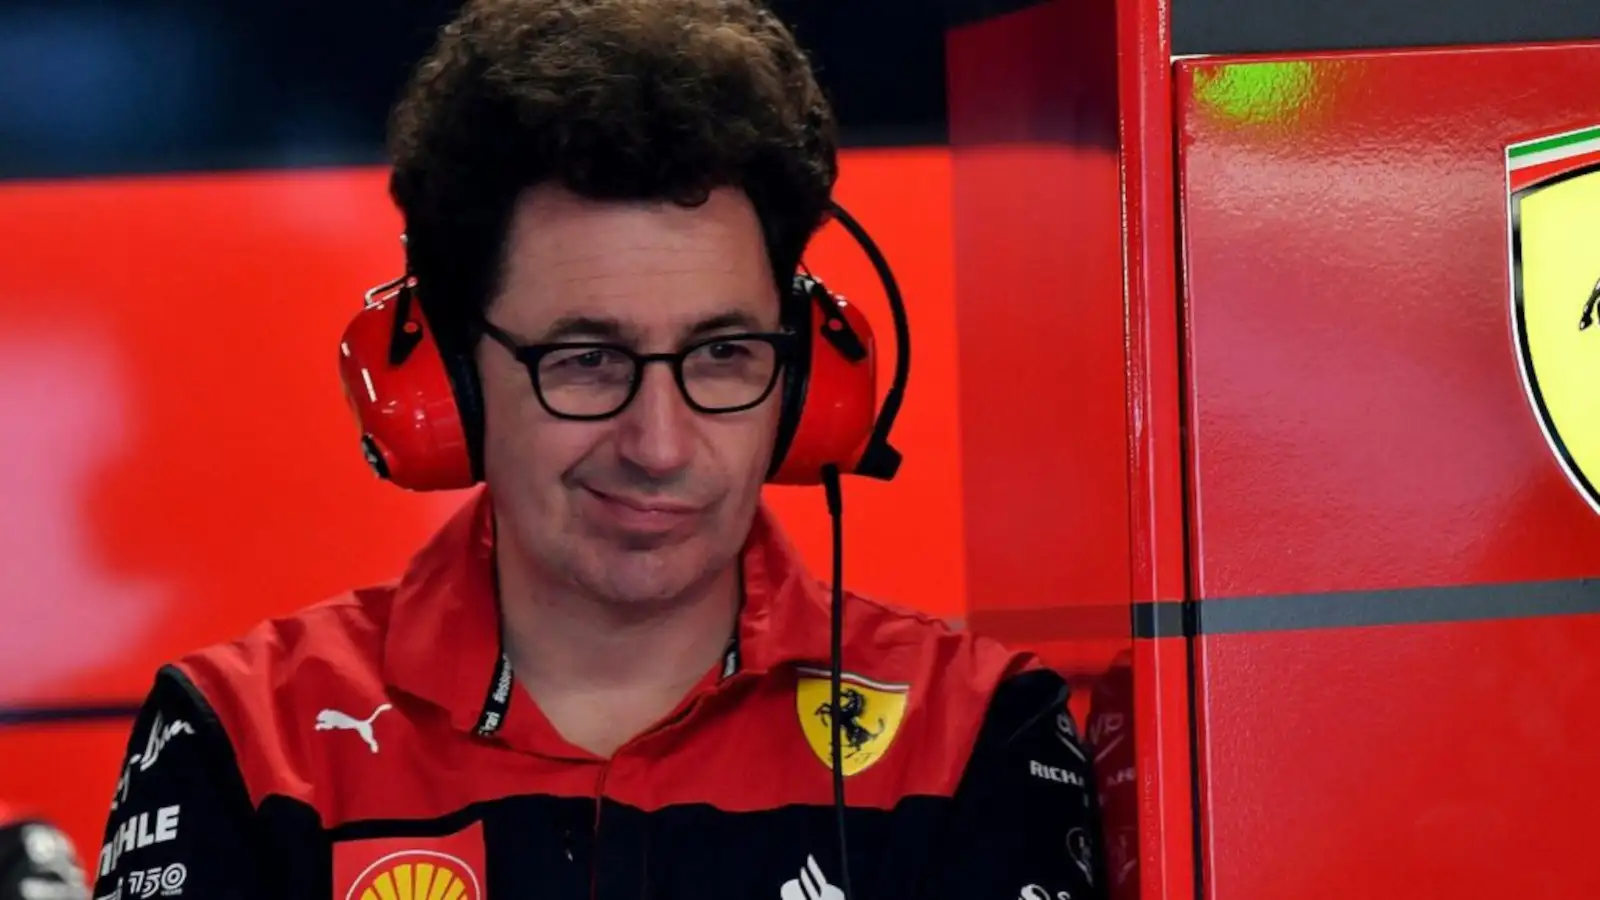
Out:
{"x": 605, "y": 678}
{"x": 37, "y": 861}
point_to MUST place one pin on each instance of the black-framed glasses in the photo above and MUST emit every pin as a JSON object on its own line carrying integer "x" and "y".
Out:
{"x": 590, "y": 380}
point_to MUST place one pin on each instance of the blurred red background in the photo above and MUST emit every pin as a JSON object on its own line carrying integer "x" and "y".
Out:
{"x": 180, "y": 462}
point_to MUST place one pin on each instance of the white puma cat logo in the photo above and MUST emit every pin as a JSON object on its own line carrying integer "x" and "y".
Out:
{"x": 329, "y": 719}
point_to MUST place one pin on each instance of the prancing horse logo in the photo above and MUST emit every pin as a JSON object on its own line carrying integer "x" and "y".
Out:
{"x": 868, "y": 717}
{"x": 1587, "y": 318}
{"x": 852, "y": 705}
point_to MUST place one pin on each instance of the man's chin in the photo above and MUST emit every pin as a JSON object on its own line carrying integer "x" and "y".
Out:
{"x": 633, "y": 543}
{"x": 641, "y": 583}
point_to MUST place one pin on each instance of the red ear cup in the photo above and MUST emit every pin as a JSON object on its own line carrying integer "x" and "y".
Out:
{"x": 402, "y": 396}
{"x": 835, "y": 412}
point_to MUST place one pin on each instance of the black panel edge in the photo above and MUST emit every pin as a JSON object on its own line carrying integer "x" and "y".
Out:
{"x": 1293, "y": 612}
{"x": 1160, "y": 620}
{"x": 50, "y": 715}
{"x": 1407, "y": 606}
{"x": 1273, "y": 26}
{"x": 1241, "y": 615}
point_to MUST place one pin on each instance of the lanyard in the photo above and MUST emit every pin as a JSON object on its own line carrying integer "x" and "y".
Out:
{"x": 498, "y": 702}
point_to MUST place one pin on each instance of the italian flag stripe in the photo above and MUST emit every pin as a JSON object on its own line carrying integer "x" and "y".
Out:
{"x": 1552, "y": 149}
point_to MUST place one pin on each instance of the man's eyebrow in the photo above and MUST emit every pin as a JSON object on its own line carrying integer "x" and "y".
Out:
{"x": 605, "y": 328}
{"x": 568, "y": 327}
{"x": 733, "y": 319}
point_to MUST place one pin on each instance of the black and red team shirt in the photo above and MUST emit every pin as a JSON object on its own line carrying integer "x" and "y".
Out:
{"x": 341, "y": 753}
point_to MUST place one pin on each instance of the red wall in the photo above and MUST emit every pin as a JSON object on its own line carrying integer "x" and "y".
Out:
{"x": 1039, "y": 288}
{"x": 179, "y": 462}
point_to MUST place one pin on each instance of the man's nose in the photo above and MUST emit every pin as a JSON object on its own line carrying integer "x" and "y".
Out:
{"x": 657, "y": 432}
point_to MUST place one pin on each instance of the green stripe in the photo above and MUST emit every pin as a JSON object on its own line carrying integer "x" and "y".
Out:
{"x": 1555, "y": 143}
{"x": 1577, "y": 154}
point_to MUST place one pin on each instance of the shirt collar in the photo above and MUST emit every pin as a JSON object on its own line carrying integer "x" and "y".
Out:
{"x": 443, "y": 641}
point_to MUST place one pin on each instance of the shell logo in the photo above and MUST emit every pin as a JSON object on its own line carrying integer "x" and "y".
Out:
{"x": 417, "y": 875}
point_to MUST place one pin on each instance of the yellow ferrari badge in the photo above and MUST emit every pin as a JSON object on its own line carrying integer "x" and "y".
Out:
{"x": 1554, "y": 195}
{"x": 871, "y": 713}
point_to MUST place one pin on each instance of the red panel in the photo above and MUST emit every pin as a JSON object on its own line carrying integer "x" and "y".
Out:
{"x": 1070, "y": 397}
{"x": 1039, "y": 307}
{"x": 67, "y": 773}
{"x": 188, "y": 465}
{"x": 1358, "y": 415}
{"x": 1426, "y": 761}
{"x": 1157, "y": 539}
{"x": 1166, "y": 796}
{"x": 1358, "y": 421}
{"x": 1144, "y": 90}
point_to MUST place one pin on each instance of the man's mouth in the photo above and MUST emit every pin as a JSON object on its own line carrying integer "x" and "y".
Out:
{"x": 633, "y": 513}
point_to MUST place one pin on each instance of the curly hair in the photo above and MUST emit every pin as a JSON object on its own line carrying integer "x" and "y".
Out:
{"x": 613, "y": 100}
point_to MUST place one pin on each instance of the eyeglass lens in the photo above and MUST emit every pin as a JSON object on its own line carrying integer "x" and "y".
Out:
{"x": 720, "y": 375}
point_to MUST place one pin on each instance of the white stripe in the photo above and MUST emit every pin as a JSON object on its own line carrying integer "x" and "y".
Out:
{"x": 1560, "y": 134}
{"x": 1551, "y": 155}
{"x": 852, "y": 678}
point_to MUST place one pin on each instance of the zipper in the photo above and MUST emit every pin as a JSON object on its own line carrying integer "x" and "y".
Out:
{"x": 728, "y": 675}
{"x": 594, "y": 839}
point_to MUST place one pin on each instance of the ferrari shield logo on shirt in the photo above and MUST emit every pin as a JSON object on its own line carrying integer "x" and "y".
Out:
{"x": 423, "y": 868}
{"x": 1553, "y": 186}
{"x": 870, "y": 715}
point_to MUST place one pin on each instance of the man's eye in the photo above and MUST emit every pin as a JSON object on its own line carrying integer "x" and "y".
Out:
{"x": 594, "y": 358}
{"x": 727, "y": 351}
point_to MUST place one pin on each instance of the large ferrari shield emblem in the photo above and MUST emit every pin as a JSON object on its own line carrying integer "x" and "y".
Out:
{"x": 1554, "y": 189}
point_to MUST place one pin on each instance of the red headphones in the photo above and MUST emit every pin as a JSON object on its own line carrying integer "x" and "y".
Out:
{"x": 421, "y": 420}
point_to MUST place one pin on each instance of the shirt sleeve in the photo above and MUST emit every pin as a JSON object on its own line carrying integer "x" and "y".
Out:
{"x": 181, "y": 822}
{"x": 1025, "y": 818}
{"x": 38, "y": 862}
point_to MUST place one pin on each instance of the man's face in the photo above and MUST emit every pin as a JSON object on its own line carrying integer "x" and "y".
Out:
{"x": 658, "y": 499}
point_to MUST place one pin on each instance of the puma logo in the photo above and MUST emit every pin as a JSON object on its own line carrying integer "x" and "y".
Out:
{"x": 330, "y": 719}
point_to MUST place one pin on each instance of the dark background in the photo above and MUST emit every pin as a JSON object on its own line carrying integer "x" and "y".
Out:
{"x": 1239, "y": 26}
{"x": 91, "y": 87}
{"x": 96, "y": 87}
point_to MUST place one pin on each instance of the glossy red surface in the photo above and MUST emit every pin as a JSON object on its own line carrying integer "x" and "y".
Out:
{"x": 407, "y": 412}
{"x": 1358, "y": 417}
{"x": 1358, "y": 421}
{"x": 1144, "y": 96}
{"x": 1157, "y": 540}
{"x": 1451, "y": 760}
{"x": 1161, "y": 735}
{"x": 842, "y": 398}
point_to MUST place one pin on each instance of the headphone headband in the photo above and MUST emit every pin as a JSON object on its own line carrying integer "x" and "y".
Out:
{"x": 881, "y": 460}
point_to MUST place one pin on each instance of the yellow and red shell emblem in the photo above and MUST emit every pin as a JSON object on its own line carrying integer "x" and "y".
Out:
{"x": 417, "y": 875}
